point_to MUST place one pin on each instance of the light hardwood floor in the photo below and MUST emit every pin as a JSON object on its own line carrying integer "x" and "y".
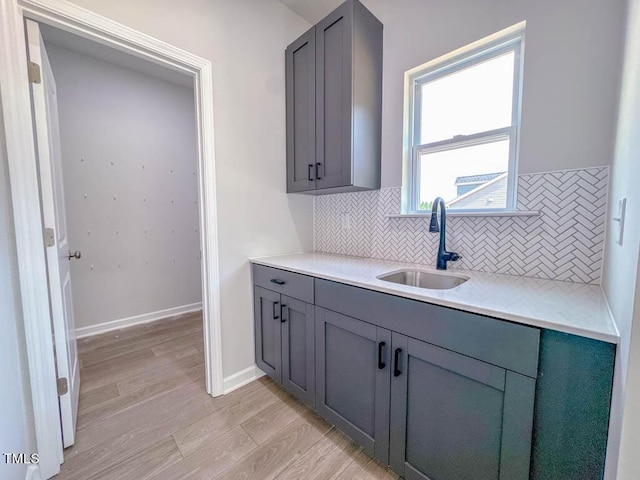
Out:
{"x": 144, "y": 414}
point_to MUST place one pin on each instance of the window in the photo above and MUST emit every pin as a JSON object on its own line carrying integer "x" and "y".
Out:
{"x": 464, "y": 130}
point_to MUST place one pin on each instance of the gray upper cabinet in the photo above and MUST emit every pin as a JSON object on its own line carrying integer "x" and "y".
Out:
{"x": 353, "y": 379}
{"x": 334, "y": 104}
{"x": 301, "y": 113}
{"x": 457, "y": 418}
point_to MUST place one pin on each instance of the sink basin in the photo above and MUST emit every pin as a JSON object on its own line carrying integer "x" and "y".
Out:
{"x": 422, "y": 279}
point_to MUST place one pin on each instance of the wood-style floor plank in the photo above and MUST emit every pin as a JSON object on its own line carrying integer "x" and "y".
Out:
{"x": 144, "y": 465}
{"x": 150, "y": 377}
{"x": 273, "y": 419}
{"x": 194, "y": 436}
{"x": 129, "y": 336}
{"x": 97, "y": 397}
{"x": 122, "y": 403}
{"x": 364, "y": 467}
{"x": 144, "y": 414}
{"x": 213, "y": 458}
{"x": 271, "y": 458}
{"x": 324, "y": 460}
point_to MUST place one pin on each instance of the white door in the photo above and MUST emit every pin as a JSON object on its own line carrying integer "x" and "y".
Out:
{"x": 45, "y": 109}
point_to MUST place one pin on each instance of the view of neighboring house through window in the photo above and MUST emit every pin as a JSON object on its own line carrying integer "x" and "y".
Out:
{"x": 465, "y": 127}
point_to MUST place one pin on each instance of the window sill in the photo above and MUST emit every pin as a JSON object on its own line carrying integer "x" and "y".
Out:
{"x": 522, "y": 213}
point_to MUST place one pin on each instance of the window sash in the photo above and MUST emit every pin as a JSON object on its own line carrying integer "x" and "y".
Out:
{"x": 463, "y": 141}
{"x": 513, "y": 43}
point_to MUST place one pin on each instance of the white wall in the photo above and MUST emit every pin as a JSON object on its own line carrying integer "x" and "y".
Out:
{"x": 571, "y": 73}
{"x": 621, "y": 283}
{"x": 129, "y": 151}
{"x": 245, "y": 40}
{"x": 16, "y": 415}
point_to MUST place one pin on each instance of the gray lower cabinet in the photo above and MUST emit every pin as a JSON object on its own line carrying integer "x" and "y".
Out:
{"x": 284, "y": 342}
{"x": 298, "y": 349}
{"x": 268, "y": 336}
{"x": 436, "y": 393}
{"x": 455, "y": 418}
{"x": 353, "y": 379}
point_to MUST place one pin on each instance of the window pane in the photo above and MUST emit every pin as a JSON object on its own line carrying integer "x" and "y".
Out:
{"x": 475, "y": 99}
{"x": 468, "y": 178}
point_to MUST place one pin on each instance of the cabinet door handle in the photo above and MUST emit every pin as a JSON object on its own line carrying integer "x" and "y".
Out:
{"x": 275, "y": 307}
{"x": 277, "y": 281}
{"x": 381, "y": 363}
{"x": 310, "y": 178}
{"x": 396, "y": 361}
{"x": 318, "y": 171}
{"x": 282, "y": 319}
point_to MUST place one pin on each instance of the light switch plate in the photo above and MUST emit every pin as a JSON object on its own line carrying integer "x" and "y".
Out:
{"x": 618, "y": 221}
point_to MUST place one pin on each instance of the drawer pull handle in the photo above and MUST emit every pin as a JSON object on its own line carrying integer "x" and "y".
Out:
{"x": 396, "y": 361}
{"x": 275, "y": 308}
{"x": 277, "y": 281}
{"x": 381, "y": 363}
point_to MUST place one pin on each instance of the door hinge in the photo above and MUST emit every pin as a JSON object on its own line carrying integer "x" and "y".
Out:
{"x": 34, "y": 72}
{"x": 49, "y": 237}
{"x": 63, "y": 386}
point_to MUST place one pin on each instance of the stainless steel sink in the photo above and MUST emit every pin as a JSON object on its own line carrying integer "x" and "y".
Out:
{"x": 423, "y": 279}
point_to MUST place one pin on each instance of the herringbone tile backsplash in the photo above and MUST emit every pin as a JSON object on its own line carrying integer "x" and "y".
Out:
{"x": 564, "y": 243}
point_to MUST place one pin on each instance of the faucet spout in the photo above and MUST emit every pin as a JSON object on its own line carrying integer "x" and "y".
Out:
{"x": 443, "y": 255}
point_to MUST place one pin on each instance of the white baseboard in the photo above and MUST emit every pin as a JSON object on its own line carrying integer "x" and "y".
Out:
{"x": 241, "y": 378}
{"x": 33, "y": 473}
{"x": 136, "y": 320}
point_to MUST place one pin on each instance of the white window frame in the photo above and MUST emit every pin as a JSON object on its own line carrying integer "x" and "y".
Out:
{"x": 514, "y": 41}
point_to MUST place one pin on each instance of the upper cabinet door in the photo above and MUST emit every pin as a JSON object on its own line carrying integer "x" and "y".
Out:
{"x": 353, "y": 380}
{"x": 300, "y": 58}
{"x": 457, "y": 418}
{"x": 334, "y": 98}
{"x": 268, "y": 332}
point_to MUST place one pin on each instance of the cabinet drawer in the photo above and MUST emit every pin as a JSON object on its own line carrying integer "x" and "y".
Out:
{"x": 505, "y": 344}
{"x": 287, "y": 283}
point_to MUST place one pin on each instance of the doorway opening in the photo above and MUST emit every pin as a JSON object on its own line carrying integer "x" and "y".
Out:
{"x": 28, "y": 211}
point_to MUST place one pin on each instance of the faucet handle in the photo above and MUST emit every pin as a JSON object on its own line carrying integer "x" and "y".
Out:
{"x": 454, "y": 257}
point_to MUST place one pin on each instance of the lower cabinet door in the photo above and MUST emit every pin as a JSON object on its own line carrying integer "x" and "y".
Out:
{"x": 268, "y": 332}
{"x": 457, "y": 418}
{"x": 298, "y": 350}
{"x": 353, "y": 379}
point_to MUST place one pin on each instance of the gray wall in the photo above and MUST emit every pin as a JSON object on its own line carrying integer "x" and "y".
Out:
{"x": 245, "y": 40}
{"x": 571, "y": 73}
{"x": 621, "y": 267}
{"x": 16, "y": 414}
{"x": 129, "y": 151}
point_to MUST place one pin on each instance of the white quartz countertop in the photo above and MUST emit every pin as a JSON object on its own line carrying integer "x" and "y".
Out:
{"x": 573, "y": 308}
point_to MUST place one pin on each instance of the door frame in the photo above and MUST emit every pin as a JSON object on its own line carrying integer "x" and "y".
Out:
{"x": 20, "y": 145}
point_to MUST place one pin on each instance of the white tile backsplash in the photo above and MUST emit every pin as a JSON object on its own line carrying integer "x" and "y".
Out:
{"x": 564, "y": 243}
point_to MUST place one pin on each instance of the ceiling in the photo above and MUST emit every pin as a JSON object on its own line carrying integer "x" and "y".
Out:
{"x": 60, "y": 38}
{"x": 312, "y": 10}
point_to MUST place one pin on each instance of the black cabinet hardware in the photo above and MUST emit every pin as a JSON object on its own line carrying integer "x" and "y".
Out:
{"x": 396, "y": 361}
{"x": 277, "y": 281}
{"x": 318, "y": 171}
{"x": 282, "y": 319}
{"x": 381, "y": 363}
{"x": 275, "y": 307}
{"x": 311, "y": 172}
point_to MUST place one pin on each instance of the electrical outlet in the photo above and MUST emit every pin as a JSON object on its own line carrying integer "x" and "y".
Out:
{"x": 618, "y": 221}
{"x": 345, "y": 220}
